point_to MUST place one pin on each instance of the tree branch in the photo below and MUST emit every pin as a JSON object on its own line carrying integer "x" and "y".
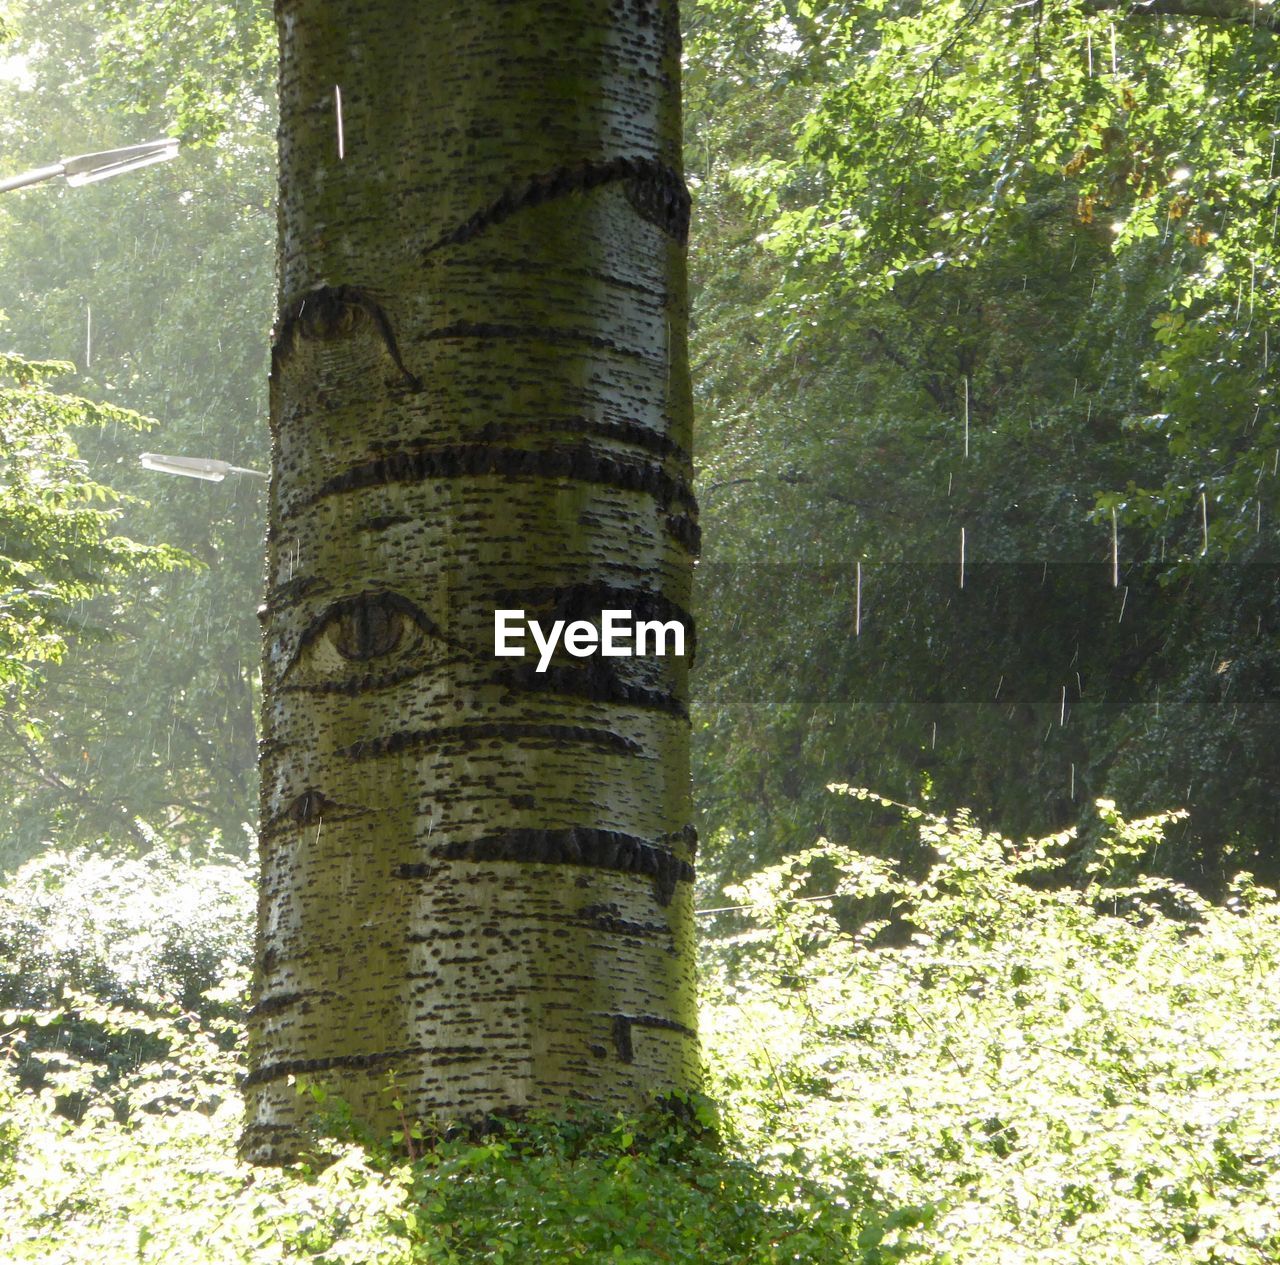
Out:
{"x": 1247, "y": 12}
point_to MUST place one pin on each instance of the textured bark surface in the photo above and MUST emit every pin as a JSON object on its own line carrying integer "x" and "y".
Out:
{"x": 475, "y": 876}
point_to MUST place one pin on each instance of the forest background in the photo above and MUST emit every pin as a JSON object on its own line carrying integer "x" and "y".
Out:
{"x": 987, "y": 456}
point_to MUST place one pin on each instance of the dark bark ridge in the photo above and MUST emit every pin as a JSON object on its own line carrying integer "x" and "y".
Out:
{"x": 623, "y": 1024}
{"x": 575, "y": 845}
{"x": 294, "y": 1067}
{"x": 477, "y": 732}
{"x": 598, "y": 681}
{"x": 579, "y": 461}
{"x": 656, "y": 192}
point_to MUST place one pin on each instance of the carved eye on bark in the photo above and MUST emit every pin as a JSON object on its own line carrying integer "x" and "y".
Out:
{"x": 367, "y": 640}
{"x": 366, "y": 629}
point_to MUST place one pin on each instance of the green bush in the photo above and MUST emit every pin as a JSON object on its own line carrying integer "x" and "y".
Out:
{"x": 1058, "y": 1072}
{"x": 1040, "y": 1073}
{"x": 111, "y": 967}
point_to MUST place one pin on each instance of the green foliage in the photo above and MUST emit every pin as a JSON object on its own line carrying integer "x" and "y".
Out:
{"x": 123, "y": 980}
{"x": 1036, "y": 1072}
{"x": 1056, "y": 1072}
{"x": 157, "y": 286}
{"x": 957, "y": 271}
{"x": 56, "y": 543}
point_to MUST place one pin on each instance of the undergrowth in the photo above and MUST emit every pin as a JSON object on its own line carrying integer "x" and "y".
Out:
{"x": 1010, "y": 1070}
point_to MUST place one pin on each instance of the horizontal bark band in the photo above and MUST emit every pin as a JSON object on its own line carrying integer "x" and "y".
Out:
{"x": 359, "y": 1062}
{"x": 598, "y": 681}
{"x": 579, "y": 462}
{"x": 487, "y": 731}
{"x": 574, "y": 845}
{"x": 656, "y": 442}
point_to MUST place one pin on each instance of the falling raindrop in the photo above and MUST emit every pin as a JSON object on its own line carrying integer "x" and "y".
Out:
{"x": 1073, "y": 780}
{"x": 1062, "y": 714}
{"x": 88, "y": 334}
{"x": 999, "y": 684}
{"x": 857, "y": 605}
{"x": 1204, "y": 521}
{"x": 966, "y": 415}
{"x": 337, "y": 105}
{"x": 1115, "y": 551}
{"x": 934, "y": 740}
{"x": 1124, "y": 597}
{"x": 962, "y": 557}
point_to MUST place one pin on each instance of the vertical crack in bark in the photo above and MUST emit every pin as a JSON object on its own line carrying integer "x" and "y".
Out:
{"x": 329, "y": 312}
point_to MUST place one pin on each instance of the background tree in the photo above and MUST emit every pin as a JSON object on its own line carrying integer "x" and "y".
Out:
{"x": 159, "y": 293}
{"x": 992, "y": 285}
{"x": 59, "y": 552}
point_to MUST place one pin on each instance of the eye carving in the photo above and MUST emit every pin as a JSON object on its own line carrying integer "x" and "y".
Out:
{"x": 367, "y": 629}
{"x": 363, "y": 641}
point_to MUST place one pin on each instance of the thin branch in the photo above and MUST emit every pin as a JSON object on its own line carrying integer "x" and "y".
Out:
{"x": 1247, "y": 12}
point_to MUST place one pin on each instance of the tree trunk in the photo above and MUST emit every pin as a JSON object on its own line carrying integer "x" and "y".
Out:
{"x": 475, "y": 876}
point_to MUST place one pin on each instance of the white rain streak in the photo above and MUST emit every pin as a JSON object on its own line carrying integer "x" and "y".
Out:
{"x": 337, "y": 109}
{"x": 857, "y": 604}
{"x": 1115, "y": 551}
{"x": 1204, "y": 522}
{"x": 962, "y": 557}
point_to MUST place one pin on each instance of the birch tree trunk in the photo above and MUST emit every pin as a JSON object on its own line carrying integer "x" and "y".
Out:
{"x": 475, "y": 876}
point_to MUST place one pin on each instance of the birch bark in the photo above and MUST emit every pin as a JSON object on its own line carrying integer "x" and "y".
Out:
{"x": 474, "y": 876}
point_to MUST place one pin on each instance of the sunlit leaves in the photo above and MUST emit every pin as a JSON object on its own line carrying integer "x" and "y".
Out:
{"x": 56, "y": 540}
